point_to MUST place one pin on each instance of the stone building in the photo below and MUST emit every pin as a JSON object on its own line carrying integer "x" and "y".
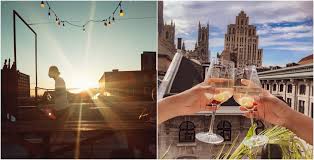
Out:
{"x": 200, "y": 52}
{"x": 241, "y": 43}
{"x": 178, "y": 134}
{"x": 167, "y": 47}
{"x": 166, "y": 44}
{"x": 294, "y": 84}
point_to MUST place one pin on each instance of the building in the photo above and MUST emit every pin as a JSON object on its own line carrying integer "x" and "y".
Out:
{"x": 179, "y": 132}
{"x": 201, "y": 51}
{"x": 167, "y": 47}
{"x": 132, "y": 84}
{"x": 294, "y": 84}
{"x": 166, "y": 44}
{"x": 23, "y": 85}
{"x": 241, "y": 43}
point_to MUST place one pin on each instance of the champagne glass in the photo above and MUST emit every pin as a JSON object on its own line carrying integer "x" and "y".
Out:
{"x": 244, "y": 95}
{"x": 220, "y": 75}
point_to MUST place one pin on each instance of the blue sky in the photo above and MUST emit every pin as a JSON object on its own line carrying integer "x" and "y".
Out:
{"x": 285, "y": 28}
{"x": 82, "y": 57}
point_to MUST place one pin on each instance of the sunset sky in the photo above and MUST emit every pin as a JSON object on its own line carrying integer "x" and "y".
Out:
{"x": 82, "y": 57}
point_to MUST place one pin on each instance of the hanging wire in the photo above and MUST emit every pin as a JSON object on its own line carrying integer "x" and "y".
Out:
{"x": 58, "y": 21}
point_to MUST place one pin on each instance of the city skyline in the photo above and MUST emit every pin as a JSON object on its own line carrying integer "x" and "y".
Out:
{"x": 82, "y": 57}
{"x": 283, "y": 29}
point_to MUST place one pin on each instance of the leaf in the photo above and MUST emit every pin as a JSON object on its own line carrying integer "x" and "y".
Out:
{"x": 219, "y": 153}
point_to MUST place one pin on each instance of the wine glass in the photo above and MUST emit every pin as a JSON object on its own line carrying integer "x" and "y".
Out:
{"x": 244, "y": 95}
{"x": 220, "y": 75}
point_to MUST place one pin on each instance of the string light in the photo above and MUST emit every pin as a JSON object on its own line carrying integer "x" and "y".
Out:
{"x": 49, "y": 13}
{"x": 107, "y": 21}
{"x": 42, "y": 4}
{"x": 121, "y": 11}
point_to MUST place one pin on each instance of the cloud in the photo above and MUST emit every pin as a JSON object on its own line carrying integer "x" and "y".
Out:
{"x": 280, "y": 25}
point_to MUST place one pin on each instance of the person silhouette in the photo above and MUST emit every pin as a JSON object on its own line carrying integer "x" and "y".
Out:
{"x": 60, "y": 109}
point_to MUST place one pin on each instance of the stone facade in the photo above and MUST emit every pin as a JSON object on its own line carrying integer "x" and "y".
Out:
{"x": 241, "y": 42}
{"x": 166, "y": 43}
{"x": 293, "y": 84}
{"x": 168, "y": 135}
{"x": 200, "y": 52}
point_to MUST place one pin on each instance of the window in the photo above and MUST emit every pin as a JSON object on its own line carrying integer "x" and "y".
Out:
{"x": 263, "y": 86}
{"x": 290, "y": 88}
{"x": 289, "y": 101}
{"x": 267, "y": 86}
{"x": 224, "y": 129}
{"x": 167, "y": 35}
{"x": 302, "y": 89}
{"x": 301, "y": 106}
{"x": 281, "y": 88}
{"x": 274, "y": 87}
{"x": 187, "y": 132}
{"x": 259, "y": 126}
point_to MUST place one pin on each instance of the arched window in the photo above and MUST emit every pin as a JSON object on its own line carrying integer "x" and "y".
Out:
{"x": 187, "y": 132}
{"x": 259, "y": 126}
{"x": 274, "y": 87}
{"x": 290, "y": 88}
{"x": 281, "y": 88}
{"x": 224, "y": 129}
{"x": 302, "y": 89}
{"x": 203, "y": 35}
{"x": 167, "y": 35}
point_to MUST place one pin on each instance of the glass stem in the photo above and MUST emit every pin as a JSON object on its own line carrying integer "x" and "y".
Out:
{"x": 212, "y": 120}
{"x": 252, "y": 122}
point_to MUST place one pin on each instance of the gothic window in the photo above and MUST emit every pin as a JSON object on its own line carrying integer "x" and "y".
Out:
{"x": 290, "y": 88}
{"x": 259, "y": 126}
{"x": 263, "y": 85}
{"x": 233, "y": 31}
{"x": 203, "y": 36}
{"x": 302, "y": 89}
{"x": 167, "y": 35}
{"x": 267, "y": 87}
{"x": 242, "y": 22}
{"x": 274, "y": 87}
{"x": 301, "y": 106}
{"x": 281, "y": 88}
{"x": 224, "y": 129}
{"x": 187, "y": 132}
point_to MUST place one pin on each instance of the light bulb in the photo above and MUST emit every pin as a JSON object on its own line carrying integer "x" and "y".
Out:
{"x": 42, "y": 4}
{"x": 121, "y": 13}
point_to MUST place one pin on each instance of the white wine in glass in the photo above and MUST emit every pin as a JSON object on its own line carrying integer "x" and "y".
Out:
{"x": 244, "y": 96}
{"x": 220, "y": 75}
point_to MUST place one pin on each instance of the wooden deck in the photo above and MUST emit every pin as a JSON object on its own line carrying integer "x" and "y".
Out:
{"x": 99, "y": 120}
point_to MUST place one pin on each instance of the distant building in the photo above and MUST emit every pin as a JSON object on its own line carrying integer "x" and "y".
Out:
{"x": 167, "y": 47}
{"x": 148, "y": 61}
{"x": 139, "y": 84}
{"x": 241, "y": 43}
{"x": 201, "y": 51}
{"x": 23, "y": 85}
{"x": 294, "y": 84}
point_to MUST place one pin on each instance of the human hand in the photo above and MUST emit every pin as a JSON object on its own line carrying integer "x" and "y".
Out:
{"x": 195, "y": 100}
{"x": 268, "y": 108}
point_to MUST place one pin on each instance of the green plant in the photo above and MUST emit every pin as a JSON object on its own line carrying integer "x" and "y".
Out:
{"x": 292, "y": 147}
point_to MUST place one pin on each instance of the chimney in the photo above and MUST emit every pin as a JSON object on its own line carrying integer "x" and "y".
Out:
{"x": 179, "y": 43}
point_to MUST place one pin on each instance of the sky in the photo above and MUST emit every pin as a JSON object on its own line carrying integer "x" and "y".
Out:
{"x": 82, "y": 57}
{"x": 285, "y": 29}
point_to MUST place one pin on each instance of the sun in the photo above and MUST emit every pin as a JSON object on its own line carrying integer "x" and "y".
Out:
{"x": 83, "y": 85}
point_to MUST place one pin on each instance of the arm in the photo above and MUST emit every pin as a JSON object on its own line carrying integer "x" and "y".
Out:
{"x": 300, "y": 124}
{"x": 188, "y": 102}
{"x": 273, "y": 110}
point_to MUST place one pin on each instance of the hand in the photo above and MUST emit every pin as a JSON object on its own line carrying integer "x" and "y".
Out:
{"x": 268, "y": 108}
{"x": 194, "y": 100}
